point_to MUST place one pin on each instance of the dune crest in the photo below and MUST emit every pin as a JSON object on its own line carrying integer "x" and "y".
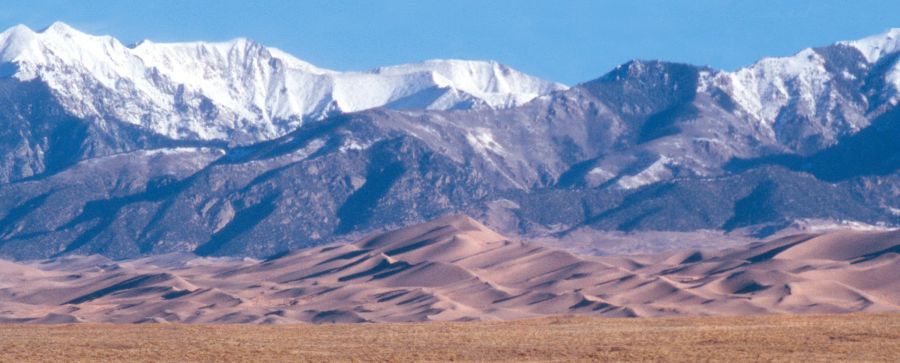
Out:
{"x": 456, "y": 269}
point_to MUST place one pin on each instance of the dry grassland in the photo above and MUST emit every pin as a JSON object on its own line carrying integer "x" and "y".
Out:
{"x": 809, "y": 338}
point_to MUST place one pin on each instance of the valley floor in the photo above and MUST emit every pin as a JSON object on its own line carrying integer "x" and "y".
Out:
{"x": 809, "y": 338}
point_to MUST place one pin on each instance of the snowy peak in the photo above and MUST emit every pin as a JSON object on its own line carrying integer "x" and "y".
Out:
{"x": 771, "y": 83}
{"x": 60, "y": 45}
{"x": 877, "y": 46}
{"x": 490, "y": 81}
{"x": 239, "y": 90}
{"x": 16, "y": 41}
{"x": 819, "y": 85}
{"x": 61, "y": 28}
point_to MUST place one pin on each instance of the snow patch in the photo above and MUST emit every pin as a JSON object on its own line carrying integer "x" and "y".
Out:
{"x": 764, "y": 88}
{"x": 656, "y": 172}
{"x": 824, "y": 225}
{"x": 482, "y": 140}
{"x": 308, "y": 150}
{"x": 351, "y": 145}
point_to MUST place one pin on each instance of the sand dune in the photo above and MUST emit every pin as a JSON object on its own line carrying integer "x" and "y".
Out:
{"x": 455, "y": 269}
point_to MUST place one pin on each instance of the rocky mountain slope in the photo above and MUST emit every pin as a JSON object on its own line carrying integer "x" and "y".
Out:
{"x": 649, "y": 146}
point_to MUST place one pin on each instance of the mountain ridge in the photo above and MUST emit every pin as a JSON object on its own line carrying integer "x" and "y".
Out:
{"x": 650, "y": 146}
{"x": 239, "y": 89}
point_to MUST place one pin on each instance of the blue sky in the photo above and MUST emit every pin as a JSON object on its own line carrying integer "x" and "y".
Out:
{"x": 566, "y": 41}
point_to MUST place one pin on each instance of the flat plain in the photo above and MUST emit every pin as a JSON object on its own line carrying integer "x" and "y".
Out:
{"x": 808, "y": 338}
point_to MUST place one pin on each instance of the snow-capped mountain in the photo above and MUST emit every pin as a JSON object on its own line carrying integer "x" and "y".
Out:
{"x": 877, "y": 46}
{"x": 810, "y": 99}
{"x": 239, "y": 90}
{"x": 651, "y": 145}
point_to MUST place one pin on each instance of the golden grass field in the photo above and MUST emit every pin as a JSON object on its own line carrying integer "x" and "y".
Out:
{"x": 807, "y": 338}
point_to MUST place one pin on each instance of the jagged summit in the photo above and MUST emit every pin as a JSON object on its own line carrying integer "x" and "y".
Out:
{"x": 238, "y": 89}
{"x": 813, "y": 83}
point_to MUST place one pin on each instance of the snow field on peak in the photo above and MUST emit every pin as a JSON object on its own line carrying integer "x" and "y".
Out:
{"x": 218, "y": 90}
{"x": 877, "y": 46}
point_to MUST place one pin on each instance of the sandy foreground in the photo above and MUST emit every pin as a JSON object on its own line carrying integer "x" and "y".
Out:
{"x": 808, "y": 338}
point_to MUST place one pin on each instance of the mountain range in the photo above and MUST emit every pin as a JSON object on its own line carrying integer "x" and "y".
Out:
{"x": 238, "y": 149}
{"x": 239, "y": 90}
